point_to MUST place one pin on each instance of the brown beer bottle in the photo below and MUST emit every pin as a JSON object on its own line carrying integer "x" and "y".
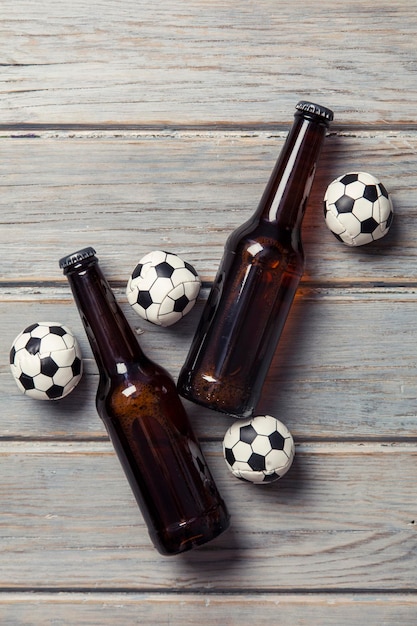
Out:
{"x": 255, "y": 285}
{"x": 146, "y": 421}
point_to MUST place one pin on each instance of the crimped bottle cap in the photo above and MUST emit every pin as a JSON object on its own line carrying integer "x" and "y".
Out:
{"x": 76, "y": 257}
{"x": 316, "y": 109}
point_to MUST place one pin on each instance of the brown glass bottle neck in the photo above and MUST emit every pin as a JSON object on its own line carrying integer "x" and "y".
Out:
{"x": 286, "y": 193}
{"x": 111, "y": 337}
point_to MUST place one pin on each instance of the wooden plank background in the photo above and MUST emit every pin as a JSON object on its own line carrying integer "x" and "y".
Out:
{"x": 135, "y": 126}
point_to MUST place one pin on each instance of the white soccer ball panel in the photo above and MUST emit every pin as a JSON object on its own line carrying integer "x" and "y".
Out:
{"x": 152, "y": 313}
{"x": 242, "y": 451}
{"x": 266, "y": 425}
{"x": 132, "y": 293}
{"x": 334, "y": 192}
{"x": 279, "y": 462}
{"x": 169, "y": 318}
{"x": 362, "y": 209}
{"x": 362, "y": 239}
{"x": 385, "y": 209}
{"x": 154, "y": 257}
{"x": 70, "y": 386}
{"x": 70, "y": 341}
{"x": 261, "y": 445}
{"x": 182, "y": 275}
{"x": 174, "y": 260}
{"x": 63, "y": 376}
{"x": 146, "y": 280}
{"x": 379, "y": 232}
{"x": 21, "y": 341}
{"x": 42, "y": 382}
{"x": 36, "y": 394}
{"x": 355, "y": 190}
{"x": 145, "y": 268}
{"x": 250, "y": 476}
{"x": 351, "y": 223}
{"x": 28, "y": 363}
{"x": 167, "y": 306}
{"x": 52, "y": 343}
{"x": 334, "y": 224}
{"x": 192, "y": 289}
{"x": 64, "y": 358}
{"x": 15, "y": 370}
{"x": 160, "y": 289}
{"x": 241, "y": 467}
{"x": 41, "y": 330}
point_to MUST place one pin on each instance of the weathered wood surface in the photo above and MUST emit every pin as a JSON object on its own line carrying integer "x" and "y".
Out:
{"x": 193, "y": 62}
{"x": 186, "y": 192}
{"x": 345, "y": 367}
{"x": 75, "y": 525}
{"x": 207, "y": 608}
{"x": 134, "y": 126}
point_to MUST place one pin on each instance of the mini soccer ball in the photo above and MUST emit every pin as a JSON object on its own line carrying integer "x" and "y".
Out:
{"x": 258, "y": 450}
{"x": 163, "y": 288}
{"x": 45, "y": 360}
{"x": 357, "y": 208}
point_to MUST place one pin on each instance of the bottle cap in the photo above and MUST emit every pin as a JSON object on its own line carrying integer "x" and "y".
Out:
{"x": 76, "y": 257}
{"x": 316, "y": 109}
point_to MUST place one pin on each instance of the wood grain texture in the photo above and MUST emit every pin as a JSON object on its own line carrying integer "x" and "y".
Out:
{"x": 73, "y": 523}
{"x": 193, "y": 62}
{"x": 135, "y": 126}
{"x": 208, "y": 608}
{"x": 186, "y": 192}
{"x": 345, "y": 367}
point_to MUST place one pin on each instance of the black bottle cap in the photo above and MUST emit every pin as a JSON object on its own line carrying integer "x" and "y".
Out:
{"x": 76, "y": 257}
{"x": 315, "y": 109}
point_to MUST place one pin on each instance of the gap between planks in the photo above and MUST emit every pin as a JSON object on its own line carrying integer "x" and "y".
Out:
{"x": 290, "y": 596}
{"x": 133, "y": 131}
{"x": 322, "y": 447}
{"x": 361, "y": 289}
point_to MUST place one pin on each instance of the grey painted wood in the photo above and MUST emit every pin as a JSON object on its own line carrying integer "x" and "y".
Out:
{"x": 207, "y": 607}
{"x": 193, "y": 62}
{"x": 345, "y": 366}
{"x": 73, "y": 523}
{"x": 186, "y": 192}
{"x": 134, "y": 126}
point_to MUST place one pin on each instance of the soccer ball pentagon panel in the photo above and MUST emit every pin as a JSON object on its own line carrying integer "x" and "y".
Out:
{"x": 45, "y": 361}
{"x": 258, "y": 450}
{"x": 357, "y": 208}
{"x": 163, "y": 288}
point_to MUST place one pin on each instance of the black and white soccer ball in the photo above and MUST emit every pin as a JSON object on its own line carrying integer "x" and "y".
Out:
{"x": 258, "y": 450}
{"x": 163, "y": 288}
{"x": 357, "y": 208}
{"x": 46, "y": 361}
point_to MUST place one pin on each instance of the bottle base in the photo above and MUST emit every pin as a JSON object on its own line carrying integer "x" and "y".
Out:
{"x": 187, "y": 535}
{"x": 242, "y": 411}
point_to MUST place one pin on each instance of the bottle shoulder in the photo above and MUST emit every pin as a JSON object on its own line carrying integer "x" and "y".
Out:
{"x": 134, "y": 394}
{"x": 260, "y": 241}
{"x": 150, "y": 398}
{"x": 133, "y": 377}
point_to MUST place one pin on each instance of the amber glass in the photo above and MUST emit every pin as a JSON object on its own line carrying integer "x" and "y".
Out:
{"x": 258, "y": 276}
{"x": 146, "y": 421}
